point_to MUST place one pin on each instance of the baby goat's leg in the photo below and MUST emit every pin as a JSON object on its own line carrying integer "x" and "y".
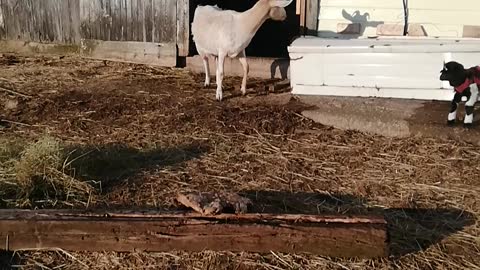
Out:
{"x": 220, "y": 66}
{"x": 453, "y": 108}
{"x": 470, "y": 104}
{"x": 243, "y": 60}
{"x": 207, "y": 70}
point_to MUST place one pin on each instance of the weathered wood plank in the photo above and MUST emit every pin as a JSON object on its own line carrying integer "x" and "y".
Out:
{"x": 84, "y": 22}
{"x": 111, "y": 23}
{"x": 36, "y": 28}
{"x": 32, "y": 47}
{"x": 337, "y": 236}
{"x": 74, "y": 7}
{"x": 99, "y": 17}
{"x": 133, "y": 21}
{"x": 471, "y": 31}
{"x": 302, "y": 16}
{"x": 131, "y": 51}
{"x": 2, "y": 22}
{"x": 156, "y": 20}
{"x": 10, "y": 22}
{"x": 122, "y": 19}
{"x": 386, "y": 29}
{"x": 183, "y": 27}
{"x": 48, "y": 22}
{"x": 148, "y": 10}
{"x": 161, "y": 20}
{"x": 116, "y": 22}
{"x": 142, "y": 18}
{"x": 170, "y": 14}
{"x": 70, "y": 21}
{"x": 31, "y": 20}
{"x": 130, "y": 20}
{"x": 312, "y": 17}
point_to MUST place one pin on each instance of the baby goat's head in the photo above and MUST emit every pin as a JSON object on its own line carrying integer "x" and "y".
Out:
{"x": 277, "y": 9}
{"x": 454, "y": 73}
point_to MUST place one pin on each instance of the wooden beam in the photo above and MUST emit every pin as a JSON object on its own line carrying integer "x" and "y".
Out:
{"x": 156, "y": 231}
{"x": 471, "y": 31}
{"x": 148, "y": 53}
{"x": 302, "y": 17}
{"x": 183, "y": 27}
{"x": 312, "y": 17}
{"x": 298, "y": 7}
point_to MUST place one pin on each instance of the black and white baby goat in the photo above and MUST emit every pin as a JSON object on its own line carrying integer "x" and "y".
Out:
{"x": 466, "y": 83}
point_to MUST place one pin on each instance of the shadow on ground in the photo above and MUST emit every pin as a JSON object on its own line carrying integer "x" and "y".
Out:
{"x": 430, "y": 120}
{"x": 410, "y": 229}
{"x": 111, "y": 164}
{"x": 435, "y": 112}
{"x": 8, "y": 259}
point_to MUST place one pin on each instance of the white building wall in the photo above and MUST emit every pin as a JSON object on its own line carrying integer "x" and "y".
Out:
{"x": 435, "y": 18}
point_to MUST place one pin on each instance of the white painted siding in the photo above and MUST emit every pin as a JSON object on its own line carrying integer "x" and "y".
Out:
{"x": 388, "y": 67}
{"x": 444, "y": 18}
{"x": 369, "y": 13}
{"x": 439, "y": 18}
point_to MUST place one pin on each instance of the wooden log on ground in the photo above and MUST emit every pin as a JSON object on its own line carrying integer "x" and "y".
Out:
{"x": 157, "y": 231}
{"x": 212, "y": 203}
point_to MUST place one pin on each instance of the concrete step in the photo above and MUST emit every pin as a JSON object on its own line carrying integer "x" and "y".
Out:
{"x": 391, "y": 117}
{"x": 260, "y": 67}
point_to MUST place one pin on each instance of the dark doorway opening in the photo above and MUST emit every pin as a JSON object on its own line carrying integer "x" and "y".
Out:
{"x": 273, "y": 37}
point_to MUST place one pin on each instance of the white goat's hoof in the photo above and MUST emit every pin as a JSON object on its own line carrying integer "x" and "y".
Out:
{"x": 244, "y": 91}
{"x": 219, "y": 96}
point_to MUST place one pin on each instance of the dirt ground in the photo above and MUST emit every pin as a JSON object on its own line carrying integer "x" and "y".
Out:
{"x": 149, "y": 132}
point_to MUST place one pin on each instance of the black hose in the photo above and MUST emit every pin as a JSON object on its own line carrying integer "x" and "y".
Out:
{"x": 405, "y": 13}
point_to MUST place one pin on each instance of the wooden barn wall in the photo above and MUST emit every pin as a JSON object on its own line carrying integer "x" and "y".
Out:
{"x": 40, "y": 20}
{"x": 145, "y": 31}
{"x": 135, "y": 20}
{"x": 2, "y": 23}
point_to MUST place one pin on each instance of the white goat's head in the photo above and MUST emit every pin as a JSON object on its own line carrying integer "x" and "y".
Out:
{"x": 277, "y": 9}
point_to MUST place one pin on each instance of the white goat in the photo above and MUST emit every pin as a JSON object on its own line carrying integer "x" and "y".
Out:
{"x": 221, "y": 33}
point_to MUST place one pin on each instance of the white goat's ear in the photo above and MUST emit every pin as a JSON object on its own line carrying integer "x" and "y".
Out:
{"x": 280, "y": 3}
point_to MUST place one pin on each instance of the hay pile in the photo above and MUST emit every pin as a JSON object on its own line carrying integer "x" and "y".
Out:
{"x": 36, "y": 172}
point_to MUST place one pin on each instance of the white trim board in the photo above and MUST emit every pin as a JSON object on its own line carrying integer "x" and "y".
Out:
{"x": 401, "y": 93}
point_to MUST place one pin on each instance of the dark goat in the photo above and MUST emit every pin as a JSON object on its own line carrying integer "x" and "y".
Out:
{"x": 466, "y": 83}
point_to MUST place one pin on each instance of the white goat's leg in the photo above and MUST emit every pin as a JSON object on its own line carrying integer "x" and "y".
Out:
{"x": 243, "y": 60}
{"x": 470, "y": 104}
{"x": 452, "y": 115}
{"x": 207, "y": 70}
{"x": 220, "y": 66}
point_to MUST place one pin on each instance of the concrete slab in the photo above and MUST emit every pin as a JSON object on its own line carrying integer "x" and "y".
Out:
{"x": 390, "y": 117}
{"x": 267, "y": 68}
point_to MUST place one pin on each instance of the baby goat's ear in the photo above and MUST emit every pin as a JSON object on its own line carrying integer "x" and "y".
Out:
{"x": 280, "y": 3}
{"x": 444, "y": 67}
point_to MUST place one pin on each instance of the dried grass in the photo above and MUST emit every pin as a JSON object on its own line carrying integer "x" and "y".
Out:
{"x": 38, "y": 171}
{"x": 177, "y": 138}
{"x": 38, "y": 162}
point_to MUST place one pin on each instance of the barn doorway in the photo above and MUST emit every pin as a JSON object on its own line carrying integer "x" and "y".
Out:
{"x": 272, "y": 38}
